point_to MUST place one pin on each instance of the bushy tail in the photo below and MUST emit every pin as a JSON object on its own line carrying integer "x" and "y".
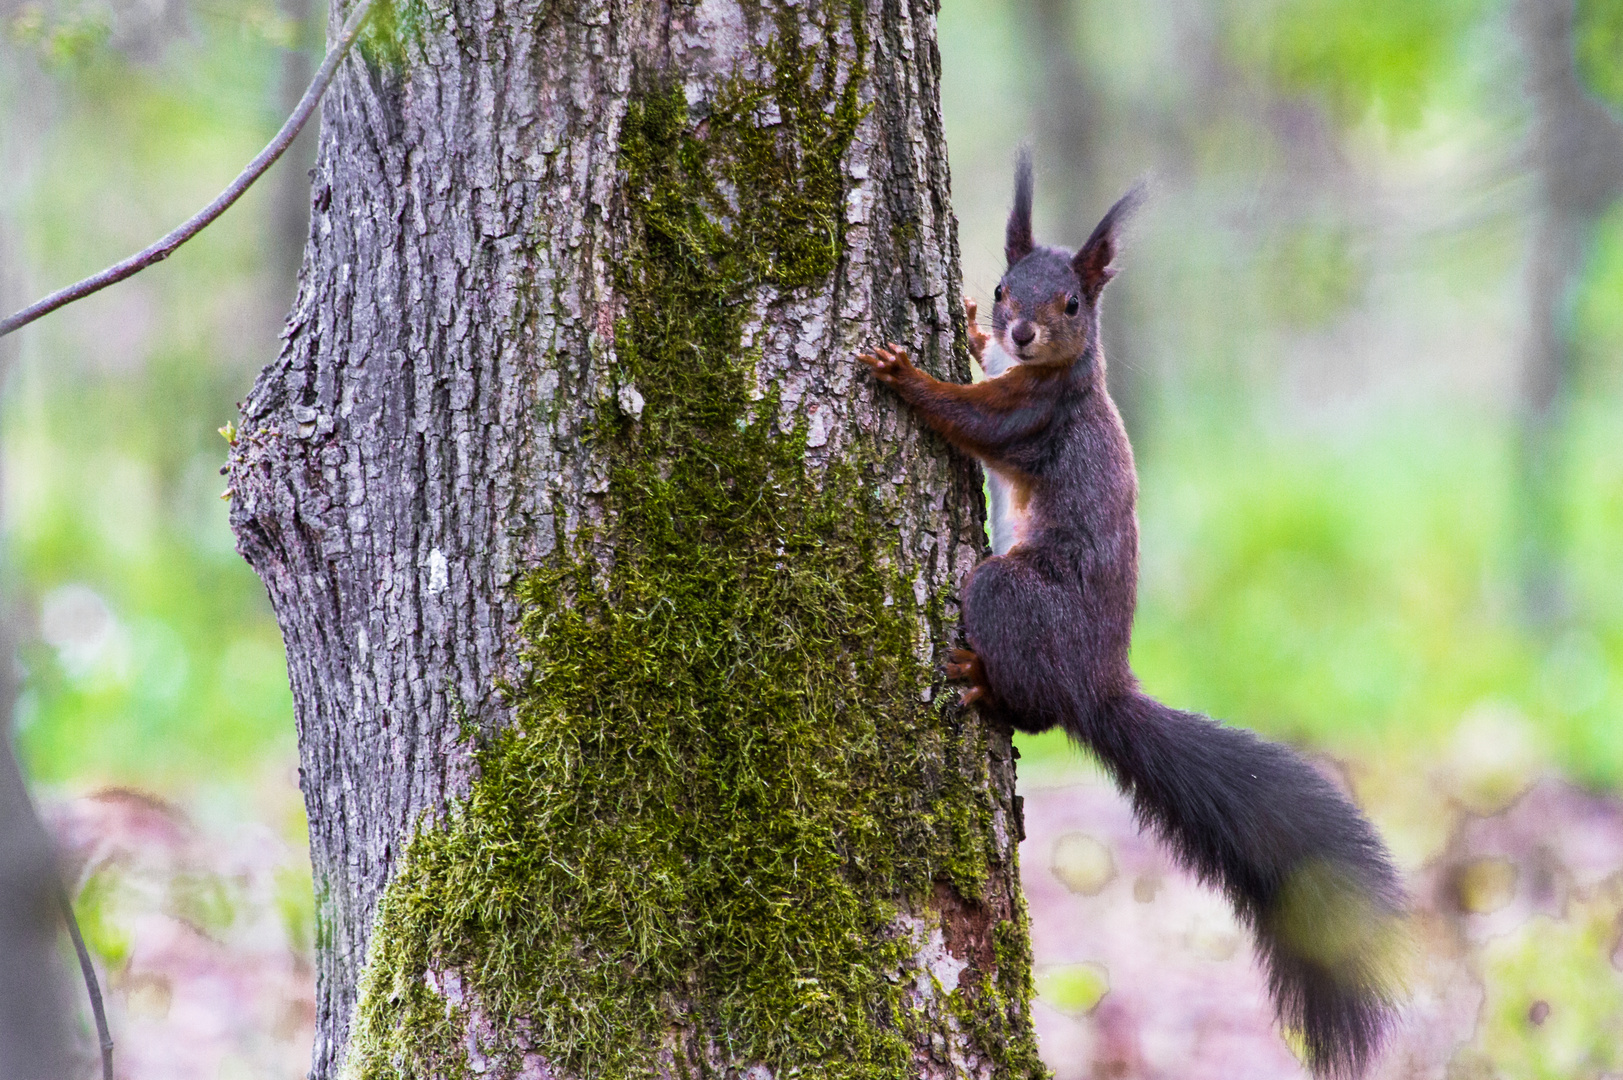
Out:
{"x": 1299, "y": 862}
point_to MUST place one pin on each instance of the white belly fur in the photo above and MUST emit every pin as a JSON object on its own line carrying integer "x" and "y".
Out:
{"x": 1007, "y": 520}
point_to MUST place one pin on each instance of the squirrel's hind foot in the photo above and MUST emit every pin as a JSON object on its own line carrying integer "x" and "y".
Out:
{"x": 963, "y": 665}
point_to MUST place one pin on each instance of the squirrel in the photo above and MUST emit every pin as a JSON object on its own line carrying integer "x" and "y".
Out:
{"x": 1048, "y": 626}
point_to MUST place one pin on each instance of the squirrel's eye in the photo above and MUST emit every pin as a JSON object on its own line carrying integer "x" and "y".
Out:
{"x": 997, "y": 295}
{"x": 1072, "y": 306}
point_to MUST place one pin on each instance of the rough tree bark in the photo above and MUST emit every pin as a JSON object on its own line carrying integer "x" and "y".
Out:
{"x": 612, "y": 593}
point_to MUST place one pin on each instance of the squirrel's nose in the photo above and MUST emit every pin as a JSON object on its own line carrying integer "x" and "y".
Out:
{"x": 1023, "y": 333}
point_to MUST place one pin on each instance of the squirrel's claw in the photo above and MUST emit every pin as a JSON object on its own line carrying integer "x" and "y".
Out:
{"x": 963, "y": 665}
{"x": 977, "y": 337}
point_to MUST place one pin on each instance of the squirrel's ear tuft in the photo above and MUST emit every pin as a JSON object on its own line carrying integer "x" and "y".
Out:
{"x": 1017, "y": 242}
{"x": 1092, "y": 263}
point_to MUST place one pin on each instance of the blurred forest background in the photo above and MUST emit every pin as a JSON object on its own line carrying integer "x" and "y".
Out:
{"x": 1369, "y": 343}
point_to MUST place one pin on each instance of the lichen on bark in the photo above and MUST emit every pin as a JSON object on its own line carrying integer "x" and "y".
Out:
{"x": 709, "y": 837}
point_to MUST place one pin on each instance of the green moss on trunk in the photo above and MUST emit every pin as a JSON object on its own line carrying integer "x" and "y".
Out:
{"x": 721, "y": 785}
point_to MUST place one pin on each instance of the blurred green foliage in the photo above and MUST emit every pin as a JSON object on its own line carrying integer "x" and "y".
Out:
{"x": 153, "y": 658}
{"x": 1599, "y": 44}
{"x": 63, "y": 38}
{"x": 1356, "y": 596}
{"x": 1362, "y": 57}
{"x": 106, "y": 935}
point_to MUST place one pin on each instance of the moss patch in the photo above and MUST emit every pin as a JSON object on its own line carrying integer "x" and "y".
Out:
{"x": 393, "y": 29}
{"x": 721, "y": 785}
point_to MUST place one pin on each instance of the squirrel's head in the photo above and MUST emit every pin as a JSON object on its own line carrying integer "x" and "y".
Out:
{"x": 1046, "y": 309}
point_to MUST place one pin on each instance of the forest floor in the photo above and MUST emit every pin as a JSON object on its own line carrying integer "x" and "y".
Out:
{"x": 1142, "y": 972}
{"x": 204, "y": 935}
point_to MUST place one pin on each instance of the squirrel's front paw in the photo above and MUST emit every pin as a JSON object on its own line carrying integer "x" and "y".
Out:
{"x": 977, "y": 337}
{"x": 889, "y": 365}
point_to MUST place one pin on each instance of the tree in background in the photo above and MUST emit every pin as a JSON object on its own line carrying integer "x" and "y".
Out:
{"x": 290, "y": 213}
{"x": 611, "y": 593}
{"x": 33, "y": 1032}
{"x": 1575, "y": 148}
{"x": 1071, "y": 117}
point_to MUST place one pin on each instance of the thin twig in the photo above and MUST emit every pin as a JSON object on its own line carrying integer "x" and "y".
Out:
{"x": 97, "y": 1009}
{"x": 267, "y": 157}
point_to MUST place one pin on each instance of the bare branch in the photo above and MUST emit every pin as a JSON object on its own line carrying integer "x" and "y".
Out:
{"x": 256, "y": 168}
{"x": 97, "y": 1009}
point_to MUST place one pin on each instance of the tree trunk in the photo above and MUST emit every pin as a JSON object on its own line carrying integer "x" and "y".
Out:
{"x": 611, "y": 592}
